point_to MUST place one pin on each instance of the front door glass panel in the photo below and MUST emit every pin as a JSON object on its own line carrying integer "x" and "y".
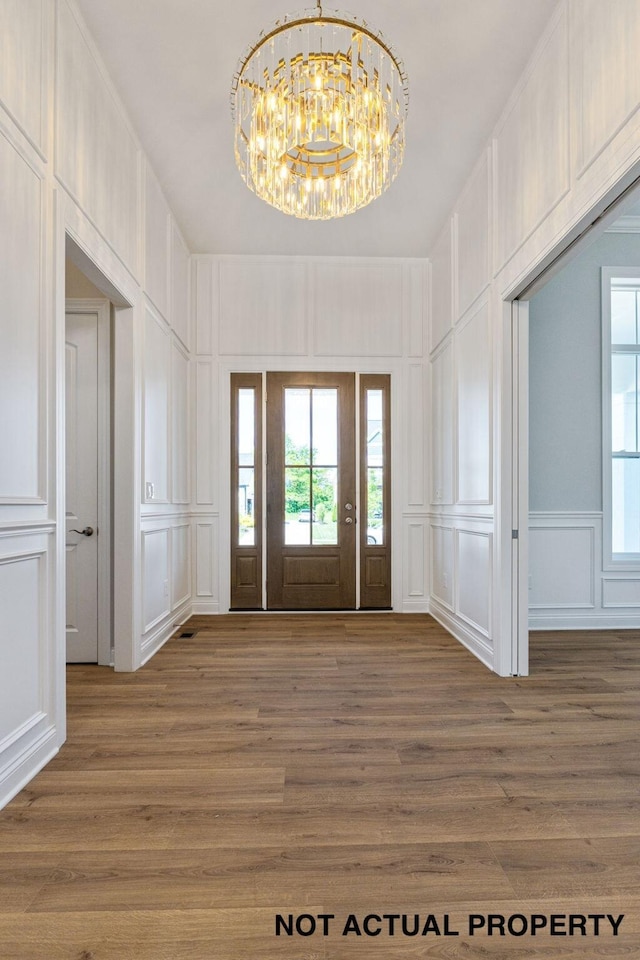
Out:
{"x": 310, "y": 466}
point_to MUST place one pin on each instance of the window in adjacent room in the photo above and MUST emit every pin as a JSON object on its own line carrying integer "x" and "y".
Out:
{"x": 621, "y": 421}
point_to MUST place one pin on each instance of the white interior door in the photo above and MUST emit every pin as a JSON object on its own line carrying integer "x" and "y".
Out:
{"x": 81, "y": 393}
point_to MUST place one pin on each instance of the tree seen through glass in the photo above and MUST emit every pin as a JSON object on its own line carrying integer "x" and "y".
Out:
{"x": 310, "y": 489}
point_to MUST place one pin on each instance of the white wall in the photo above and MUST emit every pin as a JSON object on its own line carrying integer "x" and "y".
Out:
{"x": 297, "y": 313}
{"x": 461, "y": 509}
{"x": 569, "y": 586}
{"x": 71, "y": 163}
{"x": 567, "y": 144}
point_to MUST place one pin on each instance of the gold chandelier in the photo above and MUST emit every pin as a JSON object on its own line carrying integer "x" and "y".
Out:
{"x": 319, "y": 104}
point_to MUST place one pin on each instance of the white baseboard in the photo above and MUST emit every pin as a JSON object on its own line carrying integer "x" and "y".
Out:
{"x": 460, "y": 631}
{"x": 415, "y": 606}
{"x": 23, "y": 768}
{"x": 205, "y": 607}
{"x": 592, "y": 621}
{"x": 158, "y": 638}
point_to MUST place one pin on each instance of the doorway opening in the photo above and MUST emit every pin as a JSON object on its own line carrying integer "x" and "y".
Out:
{"x": 584, "y": 564}
{"x": 562, "y": 577}
{"x": 117, "y": 464}
{"x": 310, "y": 507}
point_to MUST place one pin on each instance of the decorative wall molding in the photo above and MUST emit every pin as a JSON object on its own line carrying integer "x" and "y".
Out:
{"x": 626, "y": 224}
{"x": 608, "y": 41}
{"x": 442, "y": 286}
{"x": 569, "y": 589}
{"x": 23, "y": 359}
{"x": 27, "y": 28}
{"x": 473, "y": 407}
{"x": 90, "y": 121}
{"x": 531, "y": 159}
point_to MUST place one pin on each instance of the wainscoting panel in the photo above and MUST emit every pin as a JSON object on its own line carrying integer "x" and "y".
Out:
{"x": 23, "y": 600}
{"x": 474, "y": 411}
{"x": 157, "y": 373}
{"x": 23, "y": 65}
{"x": 415, "y": 563}
{"x": 606, "y": 72}
{"x": 205, "y": 596}
{"x": 357, "y": 308}
{"x": 29, "y": 665}
{"x": 473, "y": 578}
{"x": 442, "y": 568}
{"x": 415, "y": 440}
{"x": 203, "y": 291}
{"x": 442, "y": 425}
{"x": 621, "y": 593}
{"x": 416, "y": 300}
{"x": 531, "y": 157}
{"x": 442, "y": 286}
{"x": 472, "y": 236}
{"x": 180, "y": 425}
{"x": 263, "y": 307}
{"x": 96, "y": 153}
{"x": 180, "y": 280}
{"x": 461, "y": 580}
{"x": 22, "y": 357}
{"x": 562, "y": 566}
{"x": 568, "y": 587}
{"x": 204, "y": 452}
{"x": 156, "y": 243}
{"x": 180, "y": 563}
{"x": 155, "y": 574}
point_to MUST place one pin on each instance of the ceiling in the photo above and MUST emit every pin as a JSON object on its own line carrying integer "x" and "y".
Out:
{"x": 172, "y": 62}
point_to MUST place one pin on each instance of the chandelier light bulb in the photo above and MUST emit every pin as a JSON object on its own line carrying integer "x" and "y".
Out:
{"x": 319, "y": 101}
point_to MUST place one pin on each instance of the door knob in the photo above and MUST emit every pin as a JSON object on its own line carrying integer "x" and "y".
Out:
{"x": 87, "y": 532}
{"x": 349, "y": 520}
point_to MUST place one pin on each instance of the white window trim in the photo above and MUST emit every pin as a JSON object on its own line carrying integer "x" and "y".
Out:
{"x": 611, "y": 561}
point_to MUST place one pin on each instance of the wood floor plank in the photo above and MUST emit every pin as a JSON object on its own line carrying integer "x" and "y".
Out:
{"x": 198, "y": 879}
{"x": 256, "y": 749}
{"x": 376, "y": 784}
{"x": 597, "y": 867}
{"x": 308, "y": 764}
{"x": 391, "y": 822}
{"x": 183, "y": 788}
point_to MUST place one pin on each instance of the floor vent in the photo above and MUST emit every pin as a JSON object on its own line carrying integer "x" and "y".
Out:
{"x": 186, "y": 634}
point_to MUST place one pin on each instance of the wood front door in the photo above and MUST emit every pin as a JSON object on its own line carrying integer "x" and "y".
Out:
{"x": 311, "y": 491}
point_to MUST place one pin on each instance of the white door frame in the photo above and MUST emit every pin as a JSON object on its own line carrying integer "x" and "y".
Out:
{"x": 520, "y": 488}
{"x": 76, "y": 238}
{"x": 510, "y": 562}
{"x": 102, "y": 308}
{"x": 515, "y": 413}
{"x": 223, "y": 370}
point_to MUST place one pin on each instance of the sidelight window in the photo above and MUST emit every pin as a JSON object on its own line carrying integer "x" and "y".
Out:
{"x": 246, "y": 487}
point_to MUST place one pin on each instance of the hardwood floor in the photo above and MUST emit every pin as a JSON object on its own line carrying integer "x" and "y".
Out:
{"x": 333, "y": 765}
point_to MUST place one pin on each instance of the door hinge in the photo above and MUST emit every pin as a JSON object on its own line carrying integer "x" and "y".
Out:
{"x": 514, "y": 534}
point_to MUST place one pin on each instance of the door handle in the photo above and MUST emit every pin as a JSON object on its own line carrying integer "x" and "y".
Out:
{"x": 349, "y": 520}
{"x": 87, "y": 532}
